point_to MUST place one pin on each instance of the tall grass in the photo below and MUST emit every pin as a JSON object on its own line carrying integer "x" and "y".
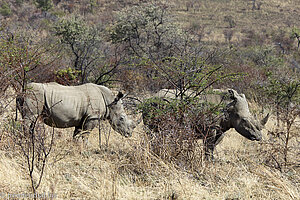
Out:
{"x": 128, "y": 169}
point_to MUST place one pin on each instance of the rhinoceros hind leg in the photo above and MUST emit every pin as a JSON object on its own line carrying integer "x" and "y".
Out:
{"x": 209, "y": 150}
{"x": 84, "y": 130}
{"x": 79, "y": 133}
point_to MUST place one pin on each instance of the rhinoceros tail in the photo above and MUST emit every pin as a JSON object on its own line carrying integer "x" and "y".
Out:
{"x": 19, "y": 105}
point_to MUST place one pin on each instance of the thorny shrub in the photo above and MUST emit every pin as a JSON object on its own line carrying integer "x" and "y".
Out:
{"x": 22, "y": 60}
{"x": 284, "y": 95}
{"x": 174, "y": 127}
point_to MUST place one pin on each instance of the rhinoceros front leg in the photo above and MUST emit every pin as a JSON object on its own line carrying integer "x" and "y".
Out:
{"x": 209, "y": 147}
{"x": 212, "y": 140}
{"x": 76, "y": 133}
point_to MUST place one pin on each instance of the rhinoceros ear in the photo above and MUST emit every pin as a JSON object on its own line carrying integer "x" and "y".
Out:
{"x": 119, "y": 96}
{"x": 233, "y": 94}
{"x": 265, "y": 120}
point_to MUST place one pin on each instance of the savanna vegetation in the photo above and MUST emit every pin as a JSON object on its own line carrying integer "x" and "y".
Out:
{"x": 141, "y": 47}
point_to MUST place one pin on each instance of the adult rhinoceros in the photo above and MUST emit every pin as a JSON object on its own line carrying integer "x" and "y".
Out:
{"x": 74, "y": 106}
{"x": 235, "y": 115}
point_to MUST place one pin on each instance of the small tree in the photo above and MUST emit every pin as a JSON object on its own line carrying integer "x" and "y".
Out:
{"x": 19, "y": 60}
{"x": 229, "y": 19}
{"x": 147, "y": 31}
{"x": 87, "y": 48}
{"x": 45, "y": 5}
{"x": 35, "y": 148}
{"x": 284, "y": 94}
{"x": 150, "y": 39}
{"x": 5, "y": 9}
{"x": 16, "y": 69}
{"x": 296, "y": 35}
{"x": 178, "y": 123}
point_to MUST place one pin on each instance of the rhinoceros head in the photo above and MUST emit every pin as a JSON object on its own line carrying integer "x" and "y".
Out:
{"x": 118, "y": 118}
{"x": 239, "y": 117}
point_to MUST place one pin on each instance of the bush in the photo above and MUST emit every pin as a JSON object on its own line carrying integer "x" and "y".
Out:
{"x": 5, "y": 10}
{"x": 146, "y": 31}
{"x": 23, "y": 60}
{"x": 90, "y": 55}
{"x": 67, "y": 76}
{"x": 45, "y": 5}
{"x": 283, "y": 93}
{"x": 174, "y": 127}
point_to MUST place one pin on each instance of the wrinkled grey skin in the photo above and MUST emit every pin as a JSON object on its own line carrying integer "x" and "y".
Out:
{"x": 74, "y": 106}
{"x": 235, "y": 115}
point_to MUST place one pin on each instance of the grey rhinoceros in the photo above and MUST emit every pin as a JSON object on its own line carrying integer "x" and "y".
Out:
{"x": 235, "y": 115}
{"x": 74, "y": 106}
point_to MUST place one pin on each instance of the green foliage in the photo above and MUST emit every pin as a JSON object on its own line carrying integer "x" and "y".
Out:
{"x": 296, "y": 35}
{"x": 93, "y": 5}
{"x": 45, "y": 5}
{"x": 176, "y": 122}
{"x": 262, "y": 56}
{"x": 283, "y": 91}
{"x": 5, "y": 9}
{"x": 147, "y": 30}
{"x": 156, "y": 111}
{"x": 295, "y": 31}
{"x": 229, "y": 19}
{"x": 19, "y": 2}
{"x": 72, "y": 30}
{"x": 85, "y": 43}
{"x": 17, "y": 59}
{"x": 155, "y": 107}
{"x": 71, "y": 73}
{"x": 67, "y": 76}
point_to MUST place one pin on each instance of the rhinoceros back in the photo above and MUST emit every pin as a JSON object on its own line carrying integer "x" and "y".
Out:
{"x": 214, "y": 96}
{"x": 68, "y": 106}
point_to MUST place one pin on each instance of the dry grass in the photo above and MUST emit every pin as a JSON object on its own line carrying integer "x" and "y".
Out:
{"x": 126, "y": 169}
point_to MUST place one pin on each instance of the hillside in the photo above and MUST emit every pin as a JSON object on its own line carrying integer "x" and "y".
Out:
{"x": 215, "y": 17}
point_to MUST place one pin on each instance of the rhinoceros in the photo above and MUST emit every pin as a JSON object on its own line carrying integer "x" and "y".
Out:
{"x": 235, "y": 115}
{"x": 74, "y": 106}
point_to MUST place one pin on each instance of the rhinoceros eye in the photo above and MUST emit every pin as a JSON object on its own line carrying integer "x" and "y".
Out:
{"x": 245, "y": 122}
{"x": 122, "y": 118}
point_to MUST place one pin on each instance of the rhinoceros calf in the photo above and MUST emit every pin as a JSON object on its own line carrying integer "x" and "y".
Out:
{"x": 74, "y": 106}
{"x": 235, "y": 115}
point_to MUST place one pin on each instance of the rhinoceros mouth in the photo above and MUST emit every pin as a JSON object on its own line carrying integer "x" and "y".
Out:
{"x": 255, "y": 137}
{"x": 124, "y": 133}
{"x": 127, "y": 135}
